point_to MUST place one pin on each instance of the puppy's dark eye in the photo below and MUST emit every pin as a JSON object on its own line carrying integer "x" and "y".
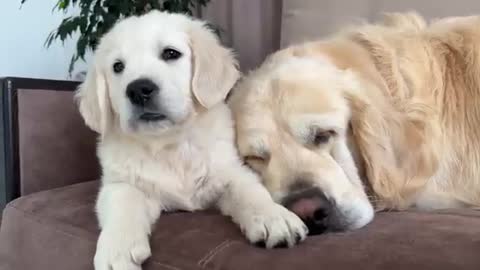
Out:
{"x": 322, "y": 137}
{"x": 118, "y": 66}
{"x": 170, "y": 54}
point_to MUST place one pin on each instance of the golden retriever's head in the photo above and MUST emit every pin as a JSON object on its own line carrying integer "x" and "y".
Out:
{"x": 292, "y": 122}
{"x": 155, "y": 72}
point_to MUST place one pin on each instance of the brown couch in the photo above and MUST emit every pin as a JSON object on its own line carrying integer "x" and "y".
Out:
{"x": 48, "y": 177}
{"x": 48, "y": 172}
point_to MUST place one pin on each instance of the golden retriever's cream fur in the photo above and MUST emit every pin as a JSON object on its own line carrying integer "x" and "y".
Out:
{"x": 183, "y": 158}
{"x": 402, "y": 96}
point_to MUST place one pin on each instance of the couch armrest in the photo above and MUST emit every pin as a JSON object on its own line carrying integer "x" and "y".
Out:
{"x": 44, "y": 142}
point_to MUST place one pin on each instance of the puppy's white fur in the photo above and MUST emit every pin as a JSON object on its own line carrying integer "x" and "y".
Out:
{"x": 187, "y": 161}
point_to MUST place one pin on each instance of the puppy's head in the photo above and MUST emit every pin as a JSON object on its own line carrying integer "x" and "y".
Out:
{"x": 154, "y": 72}
{"x": 292, "y": 122}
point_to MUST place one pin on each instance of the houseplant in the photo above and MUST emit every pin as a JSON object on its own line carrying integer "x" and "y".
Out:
{"x": 95, "y": 17}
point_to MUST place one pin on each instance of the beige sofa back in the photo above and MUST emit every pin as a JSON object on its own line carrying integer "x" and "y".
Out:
{"x": 250, "y": 27}
{"x": 309, "y": 19}
{"x": 255, "y": 28}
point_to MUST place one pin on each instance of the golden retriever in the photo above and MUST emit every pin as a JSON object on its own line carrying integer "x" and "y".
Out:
{"x": 389, "y": 109}
{"x": 155, "y": 92}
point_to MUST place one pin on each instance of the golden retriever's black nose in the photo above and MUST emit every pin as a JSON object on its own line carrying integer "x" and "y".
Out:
{"x": 140, "y": 91}
{"x": 312, "y": 207}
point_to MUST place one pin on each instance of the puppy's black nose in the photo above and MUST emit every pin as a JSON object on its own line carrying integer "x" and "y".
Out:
{"x": 141, "y": 91}
{"x": 312, "y": 207}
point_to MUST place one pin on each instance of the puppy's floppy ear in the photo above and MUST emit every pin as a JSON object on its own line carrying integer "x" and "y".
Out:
{"x": 214, "y": 66}
{"x": 93, "y": 100}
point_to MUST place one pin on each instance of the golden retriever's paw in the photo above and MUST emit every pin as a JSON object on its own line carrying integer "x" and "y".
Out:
{"x": 274, "y": 227}
{"x": 117, "y": 251}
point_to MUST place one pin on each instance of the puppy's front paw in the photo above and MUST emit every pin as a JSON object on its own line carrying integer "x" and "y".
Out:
{"x": 121, "y": 251}
{"x": 273, "y": 227}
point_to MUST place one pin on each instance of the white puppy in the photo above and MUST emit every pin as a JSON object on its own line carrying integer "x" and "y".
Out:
{"x": 155, "y": 93}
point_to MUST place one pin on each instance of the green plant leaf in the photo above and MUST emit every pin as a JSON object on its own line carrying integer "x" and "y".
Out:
{"x": 63, "y": 4}
{"x": 72, "y": 64}
{"x": 50, "y": 39}
{"x": 83, "y": 24}
{"x": 97, "y": 17}
{"x": 82, "y": 46}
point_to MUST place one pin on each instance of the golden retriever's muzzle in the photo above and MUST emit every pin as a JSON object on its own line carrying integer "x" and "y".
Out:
{"x": 314, "y": 208}
{"x": 142, "y": 93}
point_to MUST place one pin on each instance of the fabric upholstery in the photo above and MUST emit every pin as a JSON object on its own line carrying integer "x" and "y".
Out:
{"x": 57, "y": 229}
{"x": 304, "y": 20}
{"x": 55, "y": 147}
{"x": 255, "y": 28}
{"x": 250, "y": 27}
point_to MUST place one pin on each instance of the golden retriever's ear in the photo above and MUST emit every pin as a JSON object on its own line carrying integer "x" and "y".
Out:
{"x": 395, "y": 147}
{"x": 214, "y": 66}
{"x": 93, "y": 100}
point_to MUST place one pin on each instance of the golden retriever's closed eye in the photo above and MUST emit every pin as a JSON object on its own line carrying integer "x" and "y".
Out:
{"x": 387, "y": 109}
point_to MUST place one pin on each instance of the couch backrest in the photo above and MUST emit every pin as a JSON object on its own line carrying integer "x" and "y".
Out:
{"x": 304, "y": 20}
{"x": 251, "y": 28}
{"x": 46, "y": 143}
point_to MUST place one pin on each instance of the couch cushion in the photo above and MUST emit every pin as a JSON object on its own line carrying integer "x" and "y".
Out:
{"x": 304, "y": 20}
{"x": 57, "y": 229}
